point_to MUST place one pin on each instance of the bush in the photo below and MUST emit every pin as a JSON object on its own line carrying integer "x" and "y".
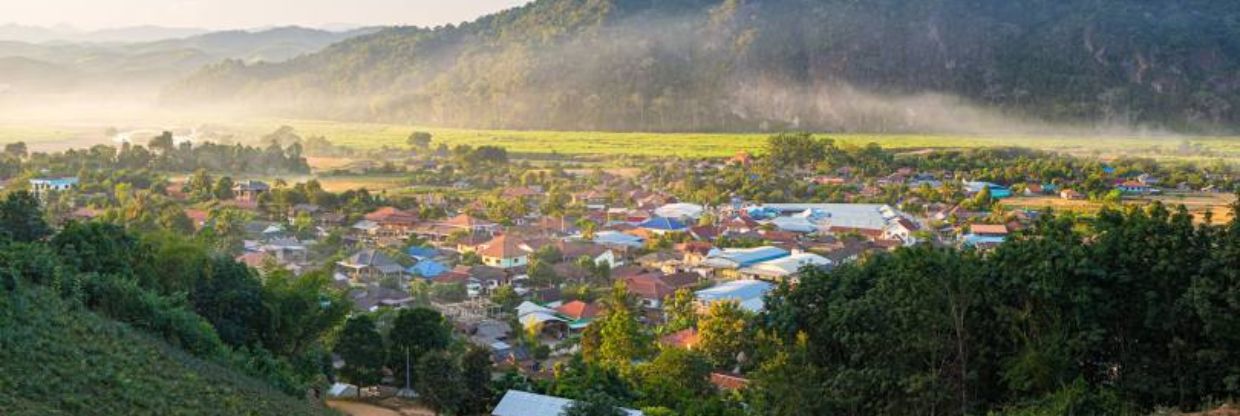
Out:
{"x": 122, "y": 299}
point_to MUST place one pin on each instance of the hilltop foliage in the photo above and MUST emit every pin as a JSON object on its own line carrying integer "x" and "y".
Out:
{"x": 697, "y": 65}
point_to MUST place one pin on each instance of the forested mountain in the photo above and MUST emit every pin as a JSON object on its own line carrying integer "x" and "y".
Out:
{"x": 879, "y": 65}
{"x": 62, "y": 66}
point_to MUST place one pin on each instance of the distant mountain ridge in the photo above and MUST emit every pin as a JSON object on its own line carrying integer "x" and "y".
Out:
{"x": 70, "y": 66}
{"x": 133, "y": 34}
{"x": 880, "y": 65}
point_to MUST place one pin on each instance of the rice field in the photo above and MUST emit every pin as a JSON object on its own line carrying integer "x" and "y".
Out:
{"x": 583, "y": 143}
{"x": 578, "y": 144}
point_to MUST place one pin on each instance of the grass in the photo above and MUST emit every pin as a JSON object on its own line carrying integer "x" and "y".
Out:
{"x": 578, "y": 143}
{"x": 60, "y": 359}
{"x": 586, "y": 143}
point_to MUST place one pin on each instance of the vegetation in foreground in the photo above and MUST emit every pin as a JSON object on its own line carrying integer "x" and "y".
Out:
{"x": 61, "y": 359}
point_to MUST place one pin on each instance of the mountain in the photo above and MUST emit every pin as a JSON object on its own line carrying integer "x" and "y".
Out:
{"x": 878, "y": 65}
{"x": 134, "y": 34}
{"x": 125, "y": 66}
{"x": 61, "y": 359}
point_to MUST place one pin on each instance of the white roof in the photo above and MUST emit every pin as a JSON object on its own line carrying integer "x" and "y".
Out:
{"x": 531, "y": 314}
{"x": 679, "y": 210}
{"x": 748, "y": 292}
{"x": 365, "y": 225}
{"x": 787, "y": 265}
{"x": 617, "y": 238}
{"x": 863, "y": 216}
{"x": 342, "y": 390}
{"x": 520, "y": 403}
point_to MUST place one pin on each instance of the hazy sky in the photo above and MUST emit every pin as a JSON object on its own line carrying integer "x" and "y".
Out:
{"x": 237, "y": 14}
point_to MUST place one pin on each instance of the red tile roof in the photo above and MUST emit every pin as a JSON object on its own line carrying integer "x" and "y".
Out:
{"x": 725, "y": 381}
{"x": 504, "y": 247}
{"x": 578, "y": 310}
{"x": 991, "y": 229}
{"x": 685, "y": 338}
{"x": 391, "y": 215}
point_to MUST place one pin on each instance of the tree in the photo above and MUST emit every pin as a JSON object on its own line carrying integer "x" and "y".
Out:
{"x": 361, "y": 348}
{"x": 595, "y": 404}
{"x": 506, "y": 297}
{"x": 223, "y": 189}
{"x": 723, "y": 333}
{"x": 416, "y": 332}
{"x": 476, "y": 373}
{"x": 787, "y": 384}
{"x": 440, "y": 384}
{"x": 542, "y": 274}
{"x": 681, "y": 310}
{"x": 620, "y": 337}
{"x": 675, "y": 378}
{"x": 16, "y": 149}
{"x": 470, "y": 258}
{"x": 302, "y": 310}
{"x": 420, "y": 140}
{"x": 21, "y": 219}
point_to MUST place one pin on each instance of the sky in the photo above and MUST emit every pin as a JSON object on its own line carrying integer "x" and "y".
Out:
{"x": 244, "y": 14}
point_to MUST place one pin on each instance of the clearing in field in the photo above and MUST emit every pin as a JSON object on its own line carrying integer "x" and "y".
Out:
{"x": 1198, "y": 203}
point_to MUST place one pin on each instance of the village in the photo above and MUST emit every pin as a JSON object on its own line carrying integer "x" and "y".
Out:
{"x": 523, "y": 268}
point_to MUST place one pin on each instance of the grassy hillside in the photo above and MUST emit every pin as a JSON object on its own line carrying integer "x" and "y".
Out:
{"x": 62, "y": 360}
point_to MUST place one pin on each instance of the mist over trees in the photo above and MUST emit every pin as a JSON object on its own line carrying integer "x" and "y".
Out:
{"x": 694, "y": 65}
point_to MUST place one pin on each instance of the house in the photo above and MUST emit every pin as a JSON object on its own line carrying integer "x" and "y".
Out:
{"x": 373, "y": 297}
{"x": 618, "y": 239}
{"x": 901, "y": 229}
{"x": 685, "y": 339}
{"x": 784, "y": 269}
{"x": 520, "y": 403}
{"x": 984, "y": 236}
{"x": 1135, "y": 187}
{"x": 369, "y": 265}
{"x": 1033, "y": 189}
{"x": 42, "y": 186}
{"x": 579, "y": 313}
{"x": 649, "y": 289}
{"x": 428, "y": 268}
{"x": 505, "y": 252}
{"x": 736, "y": 258}
{"x": 663, "y": 225}
{"x": 250, "y": 190}
{"x": 748, "y": 293}
{"x": 990, "y": 230}
{"x": 286, "y": 250}
{"x": 996, "y": 191}
{"x": 391, "y": 223}
{"x": 681, "y": 211}
{"x": 571, "y": 251}
{"x": 1071, "y": 195}
{"x": 728, "y": 381}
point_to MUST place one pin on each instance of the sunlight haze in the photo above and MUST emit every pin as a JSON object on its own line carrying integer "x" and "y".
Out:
{"x": 238, "y": 14}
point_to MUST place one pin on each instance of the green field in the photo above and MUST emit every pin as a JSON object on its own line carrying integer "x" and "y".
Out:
{"x": 372, "y": 136}
{"x": 581, "y": 143}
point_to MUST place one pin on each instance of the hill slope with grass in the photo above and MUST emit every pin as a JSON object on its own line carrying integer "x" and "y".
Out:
{"x": 60, "y": 359}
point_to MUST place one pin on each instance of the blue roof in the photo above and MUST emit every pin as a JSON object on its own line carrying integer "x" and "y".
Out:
{"x": 428, "y": 269}
{"x": 422, "y": 252}
{"x": 975, "y": 240}
{"x": 663, "y": 223}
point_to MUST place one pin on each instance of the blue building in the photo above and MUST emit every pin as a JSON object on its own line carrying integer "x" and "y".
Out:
{"x": 40, "y": 187}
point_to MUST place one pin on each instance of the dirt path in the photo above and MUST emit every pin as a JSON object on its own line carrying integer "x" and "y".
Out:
{"x": 352, "y": 408}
